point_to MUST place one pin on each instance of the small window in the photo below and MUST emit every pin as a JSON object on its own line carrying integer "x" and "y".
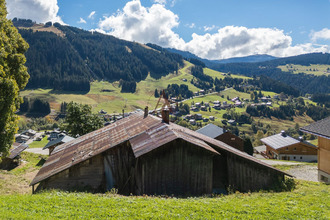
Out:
{"x": 294, "y": 158}
{"x": 232, "y": 139}
{"x": 300, "y": 158}
{"x": 294, "y": 149}
{"x": 287, "y": 148}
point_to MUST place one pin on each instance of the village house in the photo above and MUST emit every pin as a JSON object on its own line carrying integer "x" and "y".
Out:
{"x": 22, "y": 138}
{"x": 55, "y": 134}
{"x": 192, "y": 121}
{"x": 198, "y": 116}
{"x": 321, "y": 129}
{"x": 145, "y": 154}
{"x": 30, "y": 133}
{"x": 232, "y": 122}
{"x": 221, "y": 134}
{"x": 54, "y": 143}
{"x": 217, "y": 106}
{"x": 203, "y": 108}
{"x": 283, "y": 147}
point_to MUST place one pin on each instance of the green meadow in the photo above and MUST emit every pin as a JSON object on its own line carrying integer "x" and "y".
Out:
{"x": 314, "y": 69}
{"x": 107, "y": 96}
{"x": 308, "y": 201}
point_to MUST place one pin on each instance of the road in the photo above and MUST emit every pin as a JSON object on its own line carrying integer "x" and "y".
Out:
{"x": 38, "y": 151}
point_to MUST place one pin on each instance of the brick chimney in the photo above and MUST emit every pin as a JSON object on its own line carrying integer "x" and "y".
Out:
{"x": 166, "y": 115}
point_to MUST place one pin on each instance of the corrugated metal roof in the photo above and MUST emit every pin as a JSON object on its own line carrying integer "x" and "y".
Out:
{"x": 62, "y": 139}
{"x": 319, "y": 128}
{"x": 17, "y": 150}
{"x": 211, "y": 130}
{"x": 278, "y": 141}
{"x": 160, "y": 135}
{"x": 144, "y": 134}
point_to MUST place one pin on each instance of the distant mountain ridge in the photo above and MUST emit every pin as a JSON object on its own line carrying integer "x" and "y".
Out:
{"x": 248, "y": 59}
{"x": 258, "y": 65}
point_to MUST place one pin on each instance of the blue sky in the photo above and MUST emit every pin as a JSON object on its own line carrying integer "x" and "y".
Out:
{"x": 214, "y": 29}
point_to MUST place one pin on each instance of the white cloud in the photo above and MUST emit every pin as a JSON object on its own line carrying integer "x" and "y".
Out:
{"x": 91, "y": 15}
{"x": 157, "y": 24}
{"x": 37, "y": 10}
{"x": 232, "y": 41}
{"x": 322, "y": 34}
{"x": 145, "y": 25}
{"x": 162, "y": 2}
{"x": 209, "y": 28}
{"x": 82, "y": 21}
{"x": 192, "y": 25}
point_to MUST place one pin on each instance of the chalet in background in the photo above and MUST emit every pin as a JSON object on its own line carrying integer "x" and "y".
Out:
{"x": 322, "y": 130}
{"x": 62, "y": 138}
{"x": 221, "y": 134}
{"x": 144, "y": 154}
{"x": 283, "y": 147}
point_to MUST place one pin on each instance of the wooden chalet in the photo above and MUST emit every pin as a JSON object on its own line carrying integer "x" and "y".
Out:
{"x": 221, "y": 134}
{"x": 322, "y": 130}
{"x": 283, "y": 147}
{"x": 54, "y": 143}
{"x": 144, "y": 154}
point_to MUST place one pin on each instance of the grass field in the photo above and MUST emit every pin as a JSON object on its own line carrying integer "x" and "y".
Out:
{"x": 17, "y": 180}
{"x": 309, "y": 201}
{"x": 107, "y": 96}
{"x": 38, "y": 144}
{"x": 316, "y": 69}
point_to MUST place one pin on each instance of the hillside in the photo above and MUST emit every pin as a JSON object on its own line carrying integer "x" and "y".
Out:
{"x": 310, "y": 70}
{"x": 68, "y": 58}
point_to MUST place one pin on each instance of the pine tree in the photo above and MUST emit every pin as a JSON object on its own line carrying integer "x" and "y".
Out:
{"x": 13, "y": 78}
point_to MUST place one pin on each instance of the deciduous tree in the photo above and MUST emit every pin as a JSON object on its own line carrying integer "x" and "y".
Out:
{"x": 80, "y": 120}
{"x": 13, "y": 78}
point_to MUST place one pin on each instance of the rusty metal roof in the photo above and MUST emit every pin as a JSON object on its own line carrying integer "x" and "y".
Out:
{"x": 159, "y": 135}
{"x": 17, "y": 150}
{"x": 143, "y": 133}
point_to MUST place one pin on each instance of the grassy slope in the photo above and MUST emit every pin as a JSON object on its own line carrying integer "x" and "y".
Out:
{"x": 309, "y": 201}
{"x": 113, "y": 101}
{"x": 17, "y": 180}
{"x": 320, "y": 70}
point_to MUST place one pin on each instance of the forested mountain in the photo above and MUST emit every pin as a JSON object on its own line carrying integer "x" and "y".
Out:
{"x": 247, "y": 59}
{"x": 72, "y": 61}
{"x": 305, "y": 83}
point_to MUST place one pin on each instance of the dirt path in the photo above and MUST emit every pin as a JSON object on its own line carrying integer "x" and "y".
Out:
{"x": 299, "y": 170}
{"x": 304, "y": 172}
{"x": 37, "y": 151}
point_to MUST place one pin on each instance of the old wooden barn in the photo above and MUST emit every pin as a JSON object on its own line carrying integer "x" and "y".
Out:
{"x": 144, "y": 154}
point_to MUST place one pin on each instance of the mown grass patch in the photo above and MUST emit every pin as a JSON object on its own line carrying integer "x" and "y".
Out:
{"x": 314, "y": 69}
{"x": 308, "y": 201}
{"x": 39, "y": 144}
